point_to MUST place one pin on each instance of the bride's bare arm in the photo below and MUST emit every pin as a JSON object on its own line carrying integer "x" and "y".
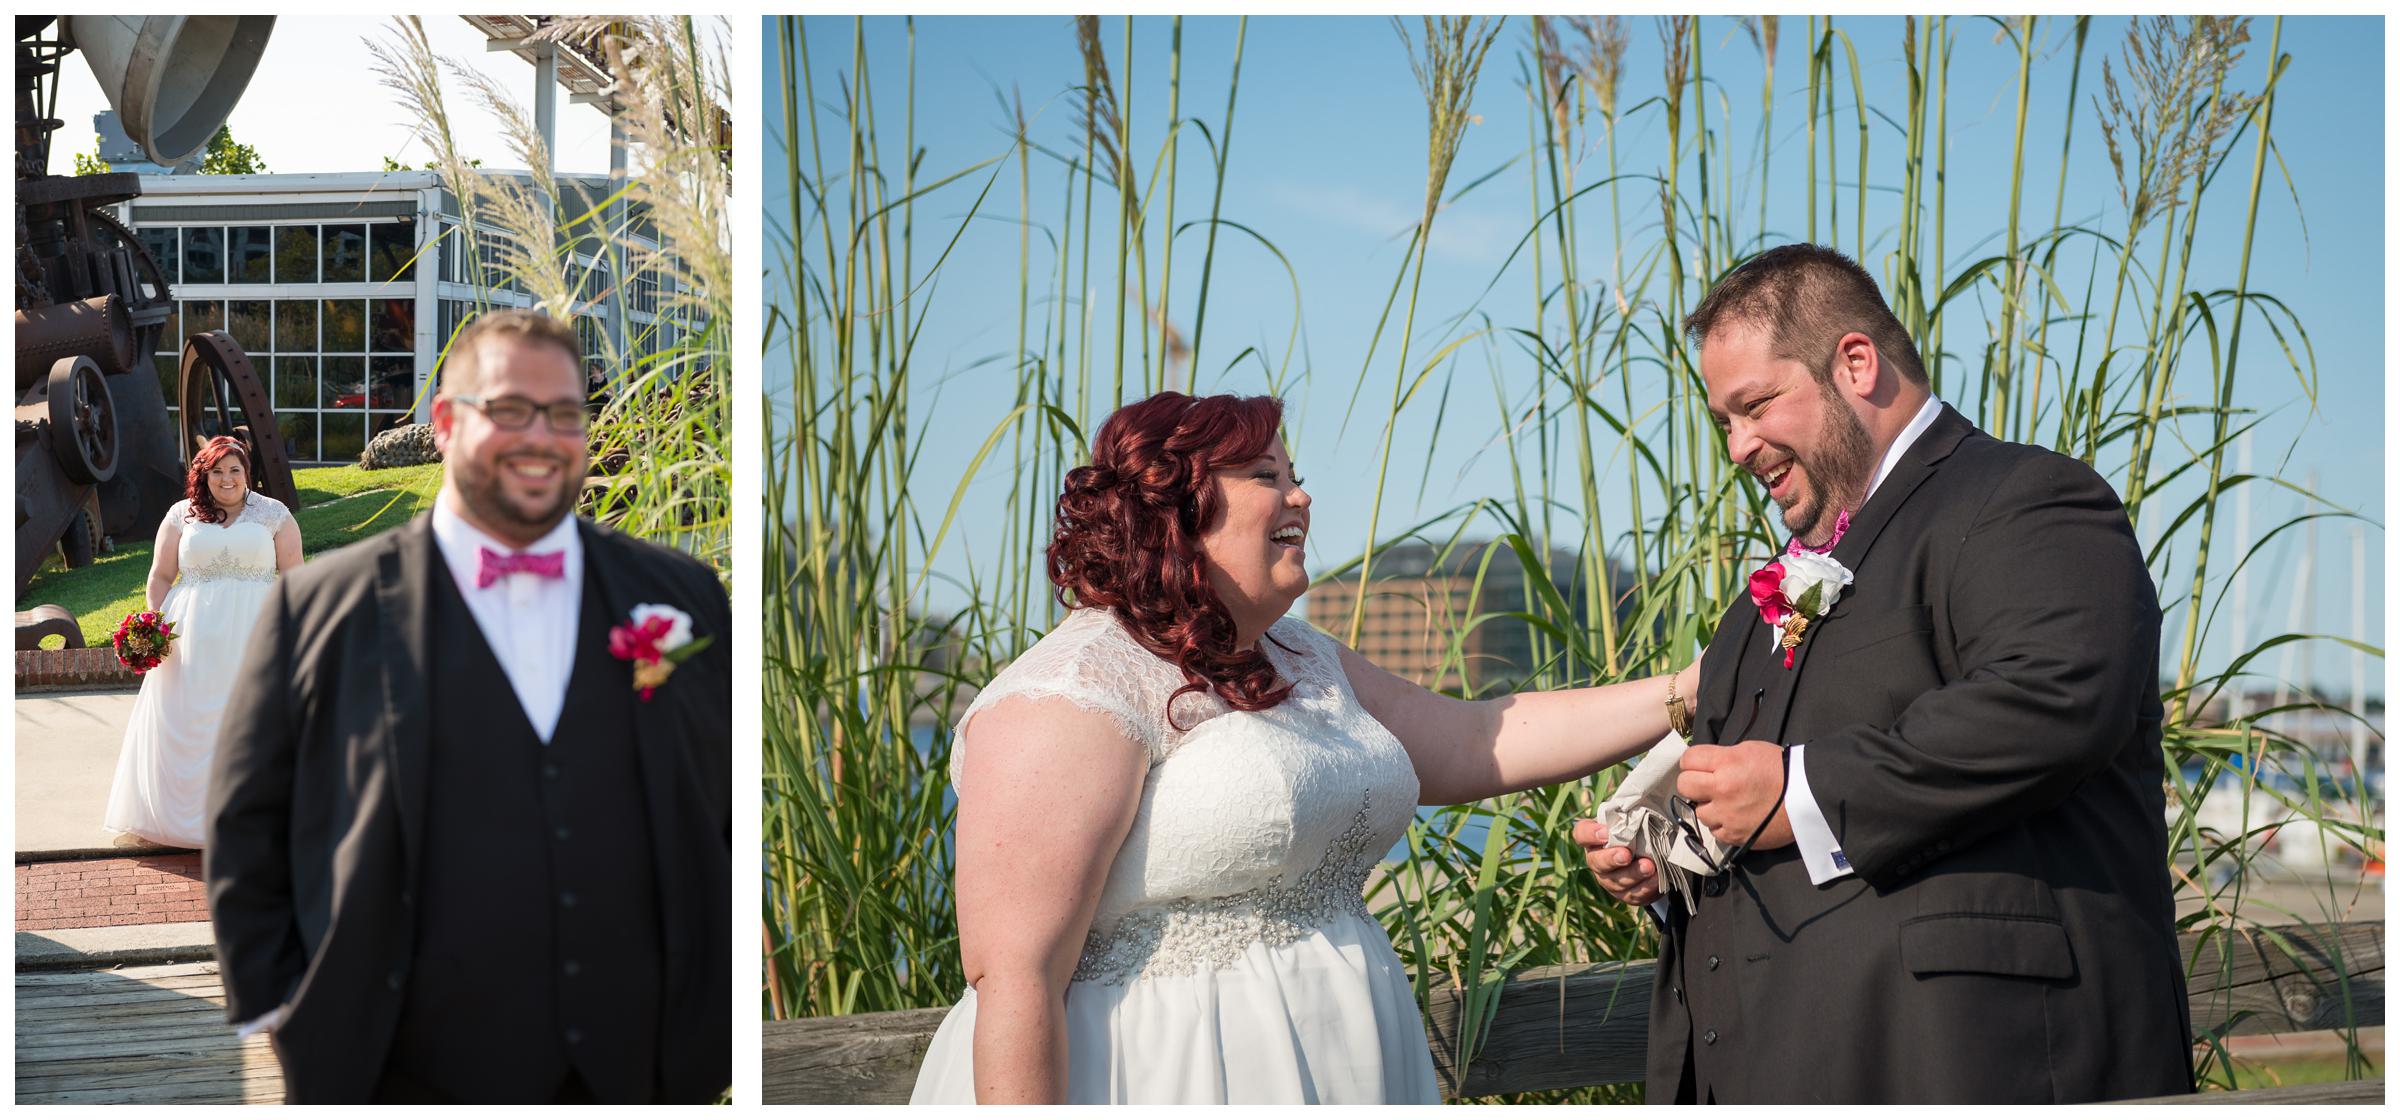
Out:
{"x": 162, "y": 563}
{"x": 1047, "y": 792}
{"x": 287, "y": 544}
{"x": 1467, "y": 750}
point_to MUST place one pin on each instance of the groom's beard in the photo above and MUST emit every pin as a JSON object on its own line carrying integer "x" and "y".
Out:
{"x": 481, "y": 488}
{"x": 1836, "y": 471}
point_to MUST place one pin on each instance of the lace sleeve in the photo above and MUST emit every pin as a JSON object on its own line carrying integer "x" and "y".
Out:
{"x": 1084, "y": 662}
{"x": 267, "y": 511}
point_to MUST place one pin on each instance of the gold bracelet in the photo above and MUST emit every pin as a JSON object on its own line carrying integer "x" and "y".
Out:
{"x": 1679, "y": 717}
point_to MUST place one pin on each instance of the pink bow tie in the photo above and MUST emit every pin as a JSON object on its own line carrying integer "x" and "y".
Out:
{"x": 493, "y": 565}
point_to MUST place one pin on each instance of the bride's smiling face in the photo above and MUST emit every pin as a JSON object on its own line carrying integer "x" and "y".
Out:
{"x": 1253, "y": 554}
{"x": 228, "y": 481}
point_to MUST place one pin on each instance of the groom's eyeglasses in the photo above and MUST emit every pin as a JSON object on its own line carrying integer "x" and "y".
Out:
{"x": 1687, "y": 816}
{"x": 515, "y": 414}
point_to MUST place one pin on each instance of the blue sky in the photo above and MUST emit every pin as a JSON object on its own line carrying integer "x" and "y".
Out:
{"x": 1327, "y": 162}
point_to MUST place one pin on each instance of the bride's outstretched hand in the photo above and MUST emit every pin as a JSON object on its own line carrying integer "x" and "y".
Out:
{"x": 1630, "y": 880}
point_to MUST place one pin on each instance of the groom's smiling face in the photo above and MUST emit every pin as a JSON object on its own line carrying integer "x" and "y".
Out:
{"x": 515, "y": 484}
{"x": 1792, "y": 431}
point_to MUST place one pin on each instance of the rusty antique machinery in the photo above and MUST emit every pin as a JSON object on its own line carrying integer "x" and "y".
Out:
{"x": 97, "y": 457}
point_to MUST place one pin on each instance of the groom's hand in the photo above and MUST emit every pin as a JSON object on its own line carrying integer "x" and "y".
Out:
{"x": 1628, "y": 879}
{"x": 1732, "y": 788}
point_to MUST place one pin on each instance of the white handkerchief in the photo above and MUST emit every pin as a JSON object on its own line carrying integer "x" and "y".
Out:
{"x": 1638, "y": 817}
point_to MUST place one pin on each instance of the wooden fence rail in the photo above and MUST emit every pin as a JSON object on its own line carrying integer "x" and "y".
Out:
{"x": 1570, "y": 1026}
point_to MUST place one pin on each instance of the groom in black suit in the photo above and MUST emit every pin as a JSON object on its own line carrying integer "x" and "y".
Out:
{"x": 1956, "y": 881}
{"x": 456, "y": 853}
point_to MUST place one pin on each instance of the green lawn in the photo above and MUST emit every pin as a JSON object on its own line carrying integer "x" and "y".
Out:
{"x": 338, "y": 505}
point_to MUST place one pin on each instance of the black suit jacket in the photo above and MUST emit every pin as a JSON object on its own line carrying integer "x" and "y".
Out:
{"x": 1982, "y": 721}
{"x": 317, "y": 807}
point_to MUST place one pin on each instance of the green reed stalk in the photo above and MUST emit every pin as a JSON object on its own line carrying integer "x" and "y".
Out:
{"x": 2220, "y": 422}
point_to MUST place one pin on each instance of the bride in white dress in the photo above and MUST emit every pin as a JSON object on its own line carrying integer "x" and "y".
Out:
{"x": 215, "y": 561}
{"x": 1160, "y": 908}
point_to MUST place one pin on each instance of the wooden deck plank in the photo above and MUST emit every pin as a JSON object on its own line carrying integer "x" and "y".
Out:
{"x": 154, "y": 1034}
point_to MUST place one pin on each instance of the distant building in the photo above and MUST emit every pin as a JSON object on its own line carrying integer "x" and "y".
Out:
{"x": 343, "y": 289}
{"x": 1416, "y": 608}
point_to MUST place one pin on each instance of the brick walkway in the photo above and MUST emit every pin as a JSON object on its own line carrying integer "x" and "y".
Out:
{"x": 86, "y": 893}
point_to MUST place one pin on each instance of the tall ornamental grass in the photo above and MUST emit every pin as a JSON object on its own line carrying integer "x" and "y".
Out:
{"x": 2104, "y": 340}
{"x": 663, "y": 462}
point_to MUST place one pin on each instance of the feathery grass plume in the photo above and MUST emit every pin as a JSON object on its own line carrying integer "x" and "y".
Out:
{"x": 2171, "y": 64}
{"x": 669, "y": 408}
{"x": 1550, "y": 66}
{"x": 1601, "y": 58}
{"x": 1099, "y": 118}
{"x": 1453, "y": 58}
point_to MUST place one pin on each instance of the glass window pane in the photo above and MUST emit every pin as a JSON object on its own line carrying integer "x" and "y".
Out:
{"x": 341, "y": 436}
{"x": 345, "y": 254}
{"x": 299, "y": 435}
{"x": 395, "y": 325}
{"x": 170, "y": 377}
{"x": 295, "y": 254}
{"x": 170, "y": 335}
{"x": 381, "y": 422}
{"x": 159, "y": 242}
{"x": 250, "y": 325}
{"x": 344, "y": 384}
{"x": 295, "y": 326}
{"x": 344, "y": 326}
{"x": 295, "y": 383}
{"x": 203, "y": 255}
{"x": 394, "y": 245}
{"x": 248, "y": 252}
{"x": 203, "y": 315}
{"x": 393, "y": 382}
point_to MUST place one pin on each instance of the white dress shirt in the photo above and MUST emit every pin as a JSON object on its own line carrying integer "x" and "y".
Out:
{"x": 1819, "y": 851}
{"x": 529, "y": 622}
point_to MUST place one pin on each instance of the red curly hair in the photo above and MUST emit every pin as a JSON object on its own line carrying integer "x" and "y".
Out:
{"x": 203, "y": 507}
{"x": 1127, "y": 535}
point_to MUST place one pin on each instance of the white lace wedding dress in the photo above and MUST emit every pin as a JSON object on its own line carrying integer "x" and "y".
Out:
{"x": 223, "y": 576}
{"x": 1232, "y": 958}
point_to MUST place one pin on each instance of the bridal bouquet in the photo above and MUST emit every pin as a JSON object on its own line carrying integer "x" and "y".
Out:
{"x": 141, "y": 640}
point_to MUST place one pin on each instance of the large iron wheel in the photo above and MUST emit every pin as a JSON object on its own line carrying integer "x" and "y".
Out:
{"x": 83, "y": 421}
{"x": 146, "y": 300}
{"x": 222, "y": 396}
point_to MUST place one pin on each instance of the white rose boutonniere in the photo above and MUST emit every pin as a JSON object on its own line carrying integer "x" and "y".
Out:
{"x": 1797, "y": 589}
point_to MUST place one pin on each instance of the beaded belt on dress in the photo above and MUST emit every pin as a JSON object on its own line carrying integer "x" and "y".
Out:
{"x": 226, "y": 567}
{"x": 1193, "y": 935}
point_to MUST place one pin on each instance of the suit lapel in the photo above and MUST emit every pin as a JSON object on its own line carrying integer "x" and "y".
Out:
{"x": 403, "y": 600}
{"x": 1718, "y": 665}
{"x": 1914, "y": 467}
{"x": 657, "y": 742}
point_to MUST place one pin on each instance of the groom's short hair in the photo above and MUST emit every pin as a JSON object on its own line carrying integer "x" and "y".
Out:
{"x": 1807, "y": 297}
{"x": 459, "y": 370}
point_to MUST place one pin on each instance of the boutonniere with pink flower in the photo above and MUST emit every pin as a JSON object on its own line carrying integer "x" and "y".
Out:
{"x": 1794, "y": 591}
{"x": 656, "y": 639}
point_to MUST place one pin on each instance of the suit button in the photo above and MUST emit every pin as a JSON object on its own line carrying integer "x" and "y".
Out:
{"x": 1678, "y": 992}
{"x": 394, "y": 980}
{"x": 561, "y": 834}
{"x": 1714, "y": 961}
{"x": 408, "y": 899}
{"x": 566, "y": 899}
{"x": 574, "y": 1036}
{"x": 572, "y": 968}
{"x": 1709, "y": 1038}
{"x": 550, "y": 770}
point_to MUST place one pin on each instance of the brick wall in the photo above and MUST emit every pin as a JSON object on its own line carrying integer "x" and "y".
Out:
{"x": 73, "y": 670}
